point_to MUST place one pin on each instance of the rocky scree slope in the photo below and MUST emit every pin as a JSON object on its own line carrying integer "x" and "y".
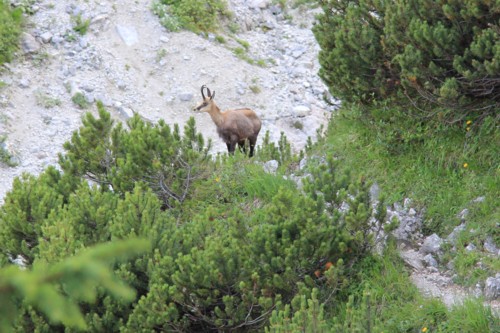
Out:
{"x": 131, "y": 63}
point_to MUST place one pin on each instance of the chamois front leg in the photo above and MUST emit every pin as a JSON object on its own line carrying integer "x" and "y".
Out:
{"x": 231, "y": 146}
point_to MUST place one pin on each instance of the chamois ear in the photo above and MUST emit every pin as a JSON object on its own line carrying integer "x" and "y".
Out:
{"x": 212, "y": 96}
{"x": 209, "y": 94}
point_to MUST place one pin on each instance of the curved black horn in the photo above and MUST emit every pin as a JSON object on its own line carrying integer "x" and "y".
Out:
{"x": 202, "y": 88}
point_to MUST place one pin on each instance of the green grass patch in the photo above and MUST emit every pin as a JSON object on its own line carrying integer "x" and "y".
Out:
{"x": 10, "y": 30}
{"x": 443, "y": 169}
{"x": 45, "y": 100}
{"x": 382, "y": 298}
{"x": 80, "y": 101}
{"x": 80, "y": 25}
{"x": 5, "y": 155}
{"x": 397, "y": 306}
{"x": 194, "y": 15}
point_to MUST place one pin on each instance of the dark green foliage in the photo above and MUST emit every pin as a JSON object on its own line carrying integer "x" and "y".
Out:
{"x": 232, "y": 247}
{"x": 231, "y": 269}
{"x": 27, "y": 207}
{"x": 220, "y": 261}
{"x": 269, "y": 151}
{"x": 446, "y": 54}
{"x": 10, "y": 29}
{"x": 55, "y": 290}
{"x": 117, "y": 159}
{"x": 309, "y": 316}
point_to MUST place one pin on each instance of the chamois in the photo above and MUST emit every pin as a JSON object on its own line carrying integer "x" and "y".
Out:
{"x": 233, "y": 126}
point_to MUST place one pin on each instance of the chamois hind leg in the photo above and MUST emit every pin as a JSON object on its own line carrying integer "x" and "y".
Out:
{"x": 242, "y": 146}
{"x": 253, "y": 141}
{"x": 230, "y": 147}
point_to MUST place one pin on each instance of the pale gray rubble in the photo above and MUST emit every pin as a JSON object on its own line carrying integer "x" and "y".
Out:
{"x": 131, "y": 63}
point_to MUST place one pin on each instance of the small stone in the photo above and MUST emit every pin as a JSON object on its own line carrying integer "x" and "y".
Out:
{"x": 99, "y": 19}
{"x": 185, "y": 97}
{"x": 303, "y": 163}
{"x": 128, "y": 34}
{"x": 29, "y": 44}
{"x": 492, "y": 288}
{"x": 164, "y": 39}
{"x": 407, "y": 203}
{"x": 270, "y": 25}
{"x": 19, "y": 261}
{"x": 430, "y": 261}
{"x": 412, "y": 259}
{"x": 211, "y": 37}
{"x": 432, "y": 244}
{"x": 83, "y": 43}
{"x": 24, "y": 83}
{"x": 298, "y": 51}
{"x": 490, "y": 246}
{"x": 271, "y": 166}
{"x": 46, "y": 37}
{"x": 106, "y": 101}
{"x": 301, "y": 110}
{"x": 453, "y": 236}
{"x": 479, "y": 199}
{"x": 259, "y": 4}
{"x": 471, "y": 247}
{"x": 126, "y": 112}
{"x": 275, "y": 10}
{"x": 121, "y": 85}
{"x": 56, "y": 40}
{"x": 89, "y": 98}
{"x": 432, "y": 269}
{"x": 87, "y": 87}
{"x": 463, "y": 214}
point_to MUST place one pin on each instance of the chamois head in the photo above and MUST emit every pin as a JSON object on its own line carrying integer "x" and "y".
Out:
{"x": 207, "y": 101}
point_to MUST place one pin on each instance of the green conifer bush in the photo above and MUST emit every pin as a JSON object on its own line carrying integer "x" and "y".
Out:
{"x": 433, "y": 55}
{"x": 221, "y": 259}
{"x": 55, "y": 290}
{"x": 116, "y": 159}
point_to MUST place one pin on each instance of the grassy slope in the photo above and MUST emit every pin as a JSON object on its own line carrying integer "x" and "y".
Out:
{"x": 443, "y": 170}
{"x": 443, "y": 173}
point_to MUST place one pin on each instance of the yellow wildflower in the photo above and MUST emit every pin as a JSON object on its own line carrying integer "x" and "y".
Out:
{"x": 468, "y": 129}
{"x": 424, "y": 329}
{"x": 217, "y": 179}
{"x": 466, "y": 165}
{"x": 469, "y": 122}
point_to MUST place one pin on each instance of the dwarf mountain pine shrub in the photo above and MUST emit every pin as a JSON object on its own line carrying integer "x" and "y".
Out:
{"x": 214, "y": 264}
{"x": 434, "y": 55}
